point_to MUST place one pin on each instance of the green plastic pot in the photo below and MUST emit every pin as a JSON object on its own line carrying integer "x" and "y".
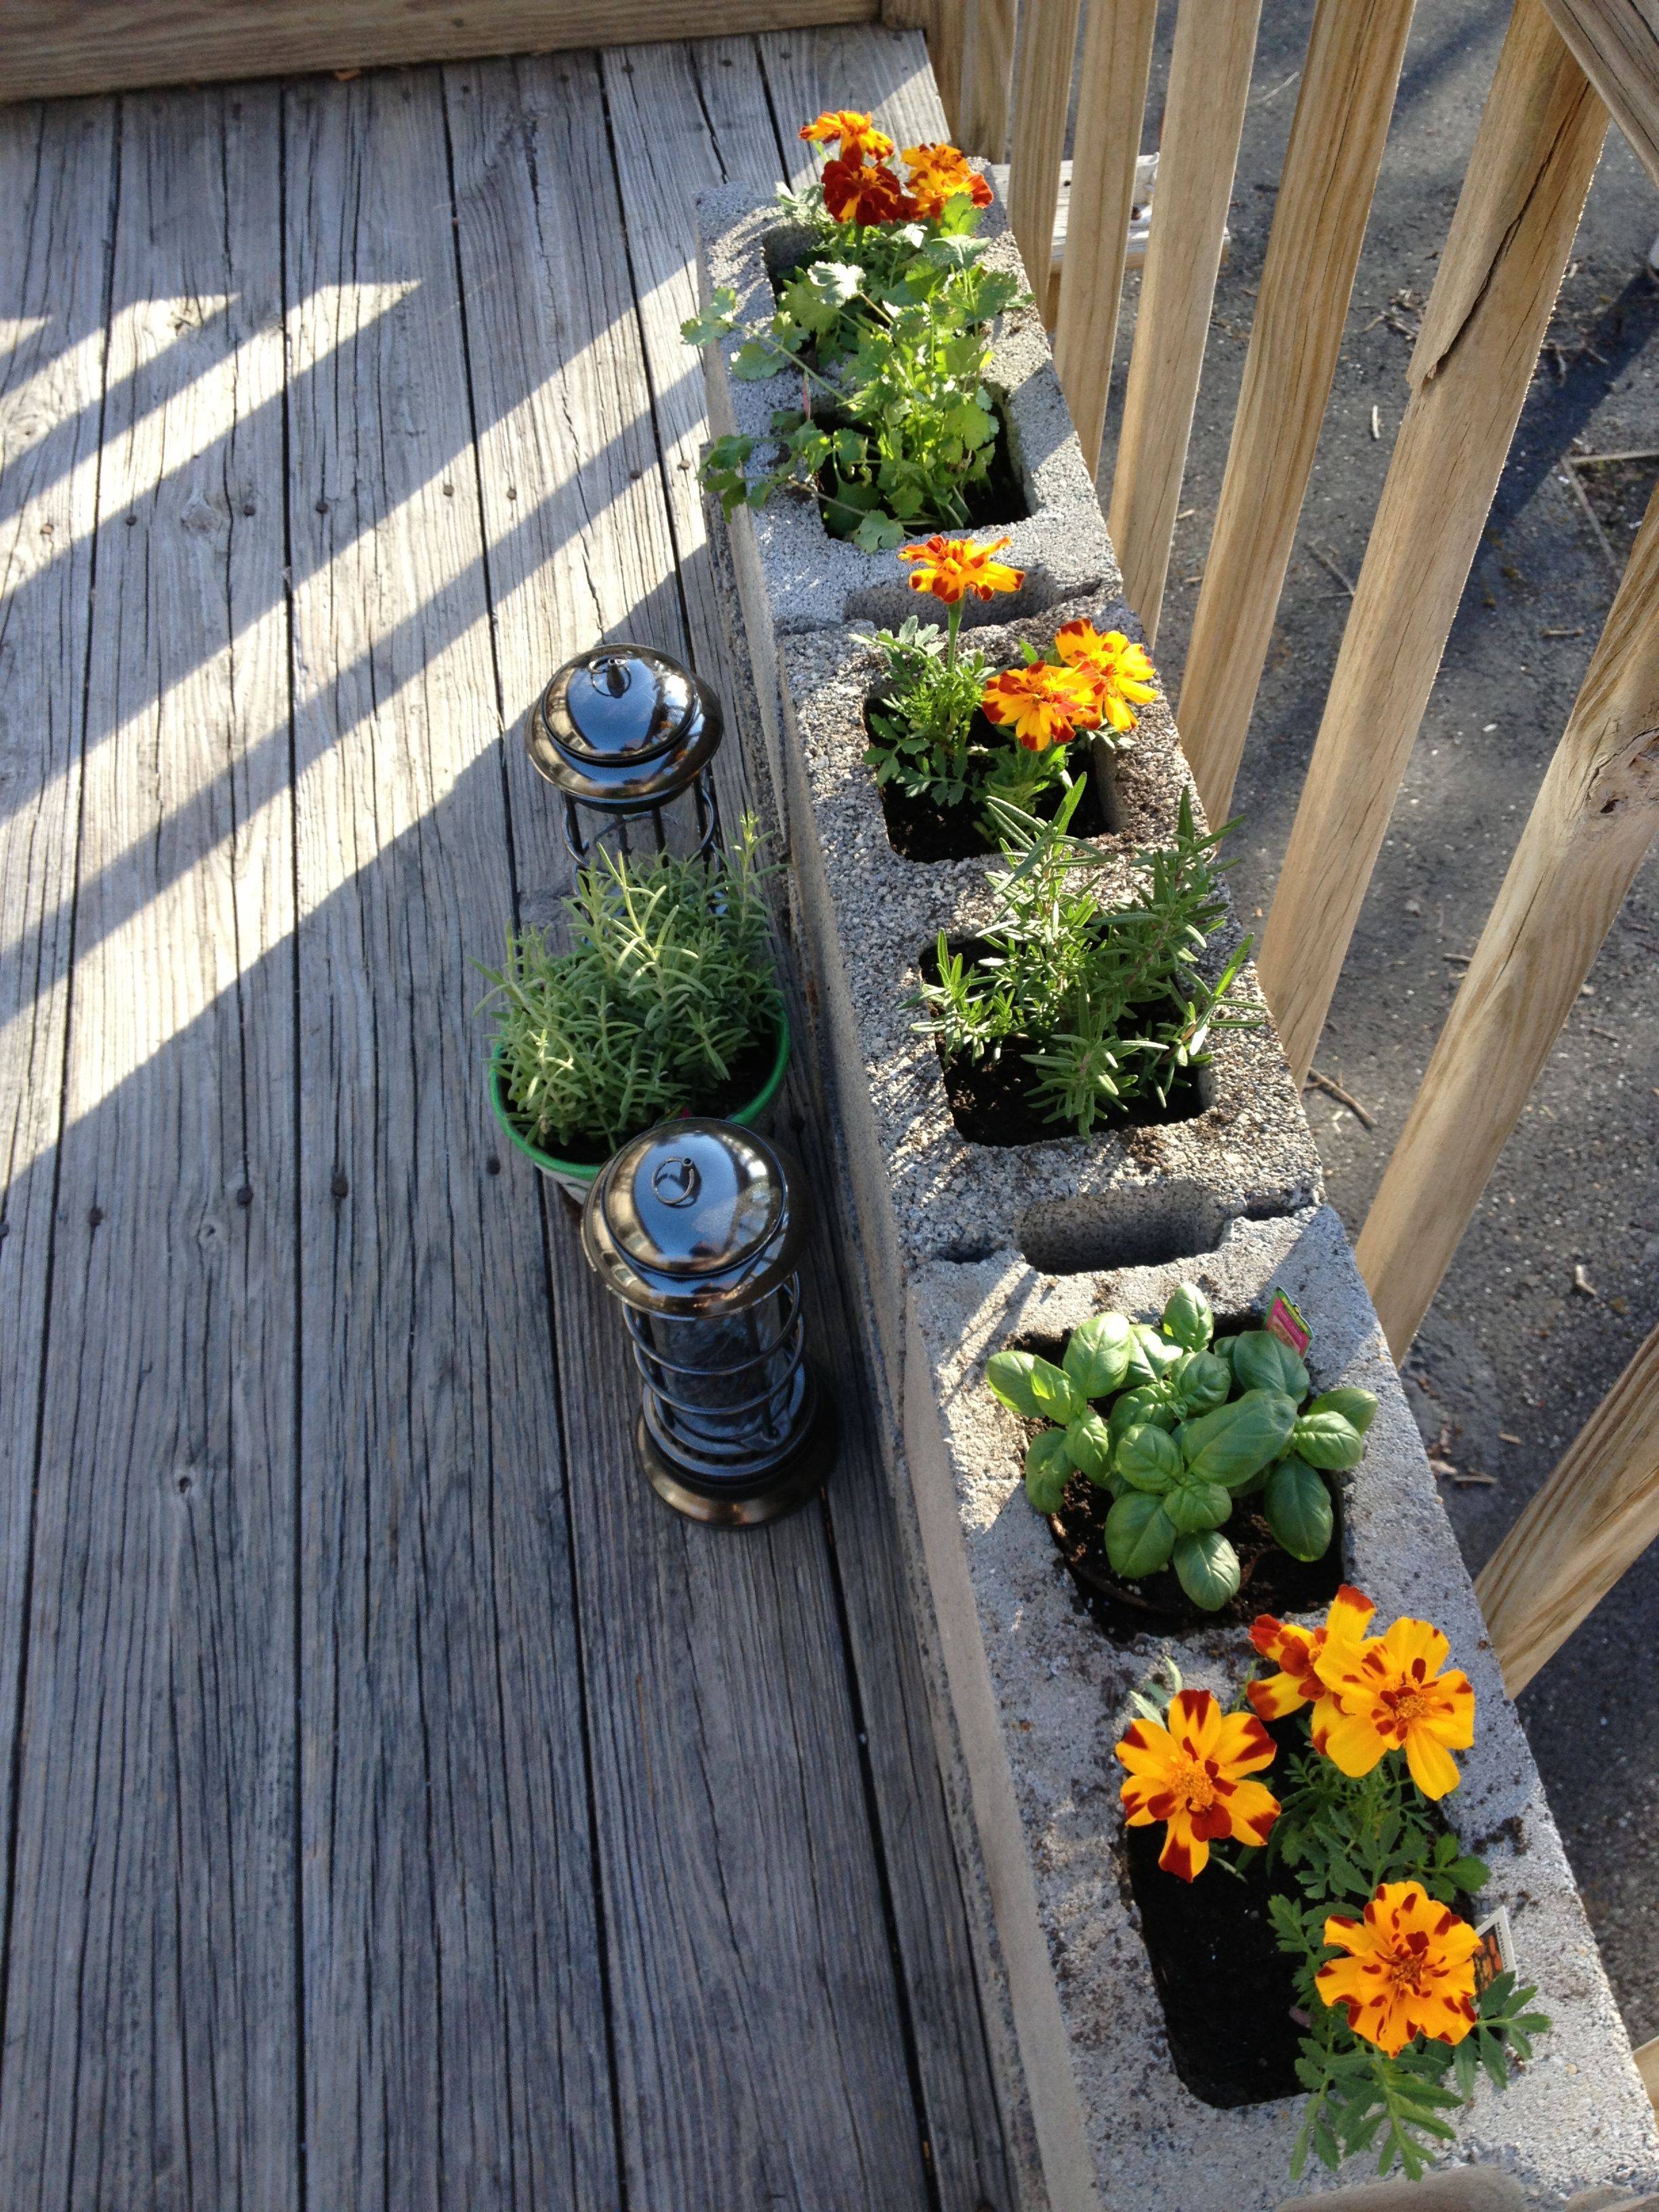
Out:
{"x": 574, "y": 1177}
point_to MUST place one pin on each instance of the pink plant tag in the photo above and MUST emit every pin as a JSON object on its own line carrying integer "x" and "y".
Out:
{"x": 1287, "y": 1325}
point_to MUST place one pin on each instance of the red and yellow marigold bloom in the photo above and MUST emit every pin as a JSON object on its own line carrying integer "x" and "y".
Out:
{"x": 1118, "y": 666}
{"x": 1395, "y": 1693}
{"x": 1409, "y": 1969}
{"x": 854, "y": 134}
{"x": 1043, "y": 705}
{"x": 1192, "y": 1775}
{"x": 854, "y": 192}
{"x": 953, "y": 568}
{"x": 1296, "y": 1652}
{"x": 941, "y": 173}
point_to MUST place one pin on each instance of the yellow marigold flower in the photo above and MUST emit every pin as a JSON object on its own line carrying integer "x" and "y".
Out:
{"x": 1043, "y": 705}
{"x": 1389, "y": 1693}
{"x": 953, "y": 568}
{"x": 1296, "y": 1651}
{"x": 856, "y": 134}
{"x": 1410, "y": 1969}
{"x": 939, "y": 174}
{"x": 1119, "y": 666}
{"x": 1191, "y": 1775}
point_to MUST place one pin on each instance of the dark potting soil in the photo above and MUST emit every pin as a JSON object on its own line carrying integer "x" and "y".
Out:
{"x": 1270, "y": 1580}
{"x": 920, "y": 829}
{"x": 1225, "y": 1986}
{"x": 749, "y": 1077}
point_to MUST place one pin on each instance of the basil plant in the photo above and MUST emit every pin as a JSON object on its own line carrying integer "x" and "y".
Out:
{"x": 1176, "y": 1423}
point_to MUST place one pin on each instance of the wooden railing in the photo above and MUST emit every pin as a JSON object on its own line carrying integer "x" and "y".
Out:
{"x": 1597, "y": 810}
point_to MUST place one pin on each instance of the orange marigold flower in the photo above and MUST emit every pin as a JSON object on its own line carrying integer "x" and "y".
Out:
{"x": 854, "y": 133}
{"x": 856, "y": 192}
{"x": 1296, "y": 1651}
{"x": 1391, "y": 1693}
{"x": 1409, "y": 1969}
{"x": 1118, "y": 666}
{"x": 1043, "y": 705}
{"x": 941, "y": 173}
{"x": 952, "y": 569}
{"x": 1191, "y": 1775}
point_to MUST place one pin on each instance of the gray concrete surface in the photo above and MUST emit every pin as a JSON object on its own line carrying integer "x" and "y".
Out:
{"x": 1512, "y": 1356}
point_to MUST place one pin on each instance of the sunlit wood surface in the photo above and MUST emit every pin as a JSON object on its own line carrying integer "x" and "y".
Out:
{"x": 403, "y": 1810}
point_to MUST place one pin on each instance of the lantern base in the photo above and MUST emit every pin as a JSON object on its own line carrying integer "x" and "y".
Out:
{"x": 780, "y": 1490}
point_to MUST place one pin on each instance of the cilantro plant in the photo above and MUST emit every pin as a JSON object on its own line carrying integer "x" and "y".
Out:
{"x": 1109, "y": 1001}
{"x": 1177, "y": 1425}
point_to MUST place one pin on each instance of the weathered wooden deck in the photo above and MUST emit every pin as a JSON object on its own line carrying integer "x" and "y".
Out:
{"x": 402, "y": 1809}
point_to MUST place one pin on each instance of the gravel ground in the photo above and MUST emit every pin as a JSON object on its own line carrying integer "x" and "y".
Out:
{"x": 1557, "y": 1278}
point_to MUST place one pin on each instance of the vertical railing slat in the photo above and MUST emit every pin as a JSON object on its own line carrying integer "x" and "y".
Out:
{"x": 1342, "y": 110}
{"x": 1203, "y": 117}
{"x": 1042, "y": 86}
{"x": 1594, "y": 818}
{"x": 1534, "y": 157}
{"x": 1117, "y": 60}
{"x": 988, "y": 67}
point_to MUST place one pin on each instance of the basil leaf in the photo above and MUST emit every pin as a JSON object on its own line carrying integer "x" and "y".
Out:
{"x": 1149, "y": 1353}
{"x": 1187, "y": 1319}
{"x": 1135, "y": 1406}
{"x": 1201, "y": 1383}
{"x": 1139, "y": 1536}
{"x": 1207, "y": 1566}
{"x": 1232, "y": 1444}
{"x": 1358, "y": 1407}
{"x": 1195, "y": 1506}
{"x": 1327, "y": 1440}
{"x": 1088, "y": 1448}
{"x": 1097, "y": 1355}
{"x": 1298, "y": 1506}
{"x": 1261, "y": 1361}
{"x": 1148, "y": 1458}
{"x": 1033, "y": 1387}
{"x": 1048, "y": 1471}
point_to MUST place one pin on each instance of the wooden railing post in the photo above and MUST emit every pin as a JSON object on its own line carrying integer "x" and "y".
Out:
{"x": 987, "y": 66}
{"x": 1534, "y": 157}
{"x": 1203, "y": 117}
{"x": 1342, "y": 112}
{"x": 1593, "y": 1517}
{"x": 1117, "y": 60}
{"x": 1596, "y": 814}
{"x": 1042, "y": 90}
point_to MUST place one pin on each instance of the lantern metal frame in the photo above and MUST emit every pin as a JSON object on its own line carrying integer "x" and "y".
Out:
{"x": 628, "y": 760}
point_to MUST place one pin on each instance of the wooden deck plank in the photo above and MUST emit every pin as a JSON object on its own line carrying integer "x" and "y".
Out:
{"x": 150, "y": 2052}
{"x": 57, "y": 169}
{"x": 683, "y": 117}
{"x": 455, "y": 2033}
{"x": 760, "y": 2046}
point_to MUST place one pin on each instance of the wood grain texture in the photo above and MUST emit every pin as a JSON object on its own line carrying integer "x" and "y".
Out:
{"x": 1647, "y": 2065}
{"x": 151, "y": 2052}
{"x": 1043, "y": 83}
{"x": 455, "y": 2036}
{"x": 1203, "y": 117}
{"x": 1534, "y": 156}
{"x": 1616, "y": 44}
{"x": 56, "y": 170}
{"x": 1342, "y": 110}
{"x": 1117, "y": 61}
{"x": 1593, "y": 1517}
{"x": 51, "y": 47}
{"x": 987, "y": 69}
{"x": 1591, "y": 826}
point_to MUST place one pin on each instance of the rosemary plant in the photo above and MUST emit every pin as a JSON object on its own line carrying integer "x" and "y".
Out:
{"x": 667, "y": 988}
{"x": 1111, "y": 1001}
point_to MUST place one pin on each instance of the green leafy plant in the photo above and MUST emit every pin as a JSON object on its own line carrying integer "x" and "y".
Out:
{"x": 667, "y": 988}
{"x": 1177, "y": 1423}
{"x": 1110, "y": 1001}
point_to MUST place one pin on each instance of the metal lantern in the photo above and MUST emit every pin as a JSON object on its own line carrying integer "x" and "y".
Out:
{"x": 627, "y": 735}
{"x": 697, "y": 1227}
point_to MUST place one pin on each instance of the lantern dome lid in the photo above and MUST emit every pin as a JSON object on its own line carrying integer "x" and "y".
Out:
{"x": 694, "y": 1217}
{"x": 623, "y": 725}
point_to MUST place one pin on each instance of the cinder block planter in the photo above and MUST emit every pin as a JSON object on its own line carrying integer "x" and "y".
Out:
{"x": 1037, "y": 1696}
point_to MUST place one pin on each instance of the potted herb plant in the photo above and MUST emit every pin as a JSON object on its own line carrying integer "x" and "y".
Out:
{"x": 950, "y": 732}
{"x": 1063, "y": 1011}
{"x": 1155, "y": 1440}
{"x": 665, "y": 1002}
{"x": 1327, "y": 1915}
{"x": 885, "y": 320}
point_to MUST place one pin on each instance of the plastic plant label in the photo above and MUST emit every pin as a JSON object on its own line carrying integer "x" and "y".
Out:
{"x": 1496, "y": 1953}
{"x": 1287, "y": 1325}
